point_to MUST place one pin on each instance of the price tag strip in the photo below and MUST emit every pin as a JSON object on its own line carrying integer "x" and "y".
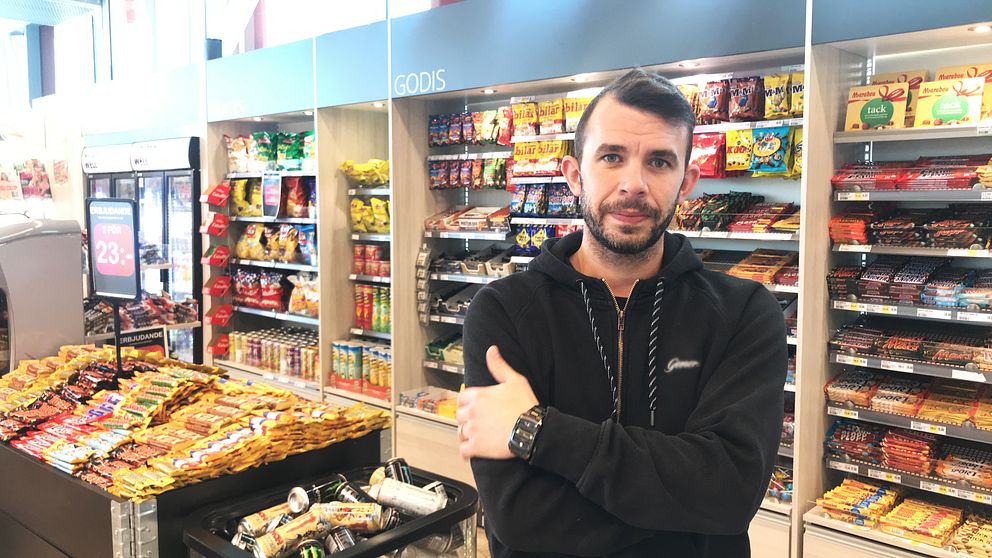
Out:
{"x": 846, "y": 467}
{"x": 839, "y": 412}
{"x": 853, "y": 361}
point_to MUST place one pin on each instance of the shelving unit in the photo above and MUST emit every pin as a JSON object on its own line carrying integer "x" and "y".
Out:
{"x": 308, "y": 389}
{"x": 835, "y": 67}
{"x": 167, "y": 327}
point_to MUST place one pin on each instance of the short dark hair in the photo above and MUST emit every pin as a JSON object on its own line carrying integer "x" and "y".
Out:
{"x": 645, "y": 91}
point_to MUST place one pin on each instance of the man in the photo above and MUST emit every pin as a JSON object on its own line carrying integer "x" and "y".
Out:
{"x": 641, "y": 394}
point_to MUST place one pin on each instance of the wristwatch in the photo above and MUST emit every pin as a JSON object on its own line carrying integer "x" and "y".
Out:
{"x": 525, "y": 432}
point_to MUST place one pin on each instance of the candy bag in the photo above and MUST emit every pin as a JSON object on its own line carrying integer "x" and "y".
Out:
{"x": 551, "y": 116}
{"x": 465, "y": 174}
{"x": 713, "y": 101}
{"x": 524, "y": 119}
{"x": 468, "y": 128}
{"x": 490, "y": 127}
{"x": 313, "y": 297}
{"x": 505, "y": 128}
{"x": 777, "y": 96}
{"x": 746, "y": 99}
{"x": 298, "y": 296}
{"x": 739, "y": 147}
{"x": 573, "y": 108}
{"x": 476, "y": 178}
{"x": 797, "y": 95}
{"x": 239, "y": 197}
{"x": 254, "y": 208}
{"x": 708, "y": 153}
{"x": 536, "y": 203}
{"x": 771, "y": 149}
{"x": 518, "y": 200}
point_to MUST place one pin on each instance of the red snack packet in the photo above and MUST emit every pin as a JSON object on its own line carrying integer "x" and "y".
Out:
{"x": 708, "y": 152}
{"x": 505, "y": 125}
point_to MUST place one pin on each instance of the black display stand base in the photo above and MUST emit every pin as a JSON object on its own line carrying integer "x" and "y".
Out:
{"x": 45, "y": 512}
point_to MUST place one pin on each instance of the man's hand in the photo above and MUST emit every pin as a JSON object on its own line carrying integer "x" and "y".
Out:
{"x": 486, "y": 415}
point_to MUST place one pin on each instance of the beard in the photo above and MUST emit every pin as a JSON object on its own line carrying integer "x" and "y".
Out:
{"x": 625, "y": 244}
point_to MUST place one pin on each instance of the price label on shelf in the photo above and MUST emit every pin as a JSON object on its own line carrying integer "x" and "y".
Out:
{"x": 967, "y": 253}
{"x": 883, "y": 309}
{"x": 846, "y": 467}
{"x": 975, "y": 496}
{"x": 897, "y": 366}
{"x": 984, "y": 317}
{"x": 852, "y": 306}
{"x": 854, "y": 196}
{"x": 839, "y": 412}
{"x": 853, "y": 361}
{"x": 984, "y": 130}
{"x": 967, "y": 376}
{"x": 714, "y": 234}
{"x": 927, "y": 427}
{"x": 301, "y": 385}
{"x": 931, "y": 313}
{"x": 448, "y": 320}
{"x": 987, "y": 196}
{"x": 450, "y": 368}
{"x": 854, "y": 248}
{"x": 885, "y": 476}
{"x": 938, "y": 488}
{"x": 268, "y": 376}
{"x": 769, "y": 124}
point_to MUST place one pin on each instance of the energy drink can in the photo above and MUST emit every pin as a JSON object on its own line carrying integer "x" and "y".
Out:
{"x": 278, "y": 522}
{"x": 377, "y": 476}
{"x": 244, "y": 541}
{"x": 408, "y": 498}
{"x": 362, "y": 518}
{"x": 351, "y": 493}
{"x": 310, "y": 548}
{"x": 284, "y": 539}
{"x": 300, "y": 499}
{"x": 257, "y": 523}
{"x": 340, "y": 538}
{"x": 398, "y": 469}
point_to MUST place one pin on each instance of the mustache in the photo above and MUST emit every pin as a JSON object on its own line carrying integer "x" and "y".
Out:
{"x": 638, "y": 206}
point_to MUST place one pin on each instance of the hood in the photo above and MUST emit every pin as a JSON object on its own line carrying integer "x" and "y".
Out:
{"x": 678, "y": 259}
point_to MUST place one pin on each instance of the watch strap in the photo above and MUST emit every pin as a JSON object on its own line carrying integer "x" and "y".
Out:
{"x": 524, "y": 435}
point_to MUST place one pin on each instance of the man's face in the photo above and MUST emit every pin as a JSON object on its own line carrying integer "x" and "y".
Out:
{"x": 631, "y": 177}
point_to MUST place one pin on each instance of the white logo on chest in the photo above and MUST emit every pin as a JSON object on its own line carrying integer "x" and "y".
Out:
{"x": 677, "y": 364}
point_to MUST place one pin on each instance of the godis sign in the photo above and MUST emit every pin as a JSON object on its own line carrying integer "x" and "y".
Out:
{"x": 418, "y": 83}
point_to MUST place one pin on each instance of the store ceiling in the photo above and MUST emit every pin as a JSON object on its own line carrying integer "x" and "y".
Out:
{"x": 47, "y": 12}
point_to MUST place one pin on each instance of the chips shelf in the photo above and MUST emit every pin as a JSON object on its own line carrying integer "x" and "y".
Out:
{"x": 370, "y": 278}
{"x": 777, "y": 237}
{"x": 469, "y": 235}
{"x": 425, "y": 415}
{"x": 910, "y": 367}
{"x": 368, "y": 191}
{"x": 919, "y": 195}
{"x": 445, "y": 366}
{"x": 817, "y": 516}
{"x": 928, "y": 484}
{"x": 538, "y": 180}
{"x": 912, "y": 134}
{"x": 369, "y": 333}
{"x": 457, "y": 320}
{"x": 964, "y": 432}
{"x": 936, "y": 313}
{"x": 463, "y": 278}
{"x": 912, "y": 251}
{"x": 278, "y": 315}
{"x": 291, "y": 220}
{"x": 275, "y": 265}
{"x": 167, "y": 327}
{"x": 355, "y": 396}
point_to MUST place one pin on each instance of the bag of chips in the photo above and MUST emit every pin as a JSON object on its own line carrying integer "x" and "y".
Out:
{"x": 307, "y": 243}
{"x": 561, "y": 202}
{"x": 465, "y": 174}
{"x": 289, "y": 151}
{"x": 574, "y": 107}
{"x": 359, "y": 210}
{"x": 265, "y": 151}
{"x": 289, "y": 239}
{"x": 518, "y": 200}
{"x": 271, "y": 292}
{"x": 312, "y": 295}
{"x": 247, "y": 288}
{"x": 739, "y": 147}
{"x": 454, "y": 129}
{"x": 434, "y": 130}
{"x": 771, "y": 150}
{"x": 380, "y": 216}
{"x": 505, "y": 127}
{"x": 468, "y": 128}
{"x": 249, "y": 245}
{"x": 796, "y": 94}
{"x": 489, "y": 122}
{"x": 777, "y": 96}
{"x": 524, "y": 119}
{"x": 298, "y": 296}
{"x": 713, "y": 102}
{"x": 796, "y": 168}
{"x": 708, "y": 153}
{"x": 540, "y": 233}
{"x": 476, "y": 178}
{"x": 237, "y": 154}
{"x": 454, "y": 174}
{"x": 309, "y": 184}
{"x": 536, "y": 203}
{"x": 239, "y": 197}
{"x": 551, "y": 116}
{"x": 273, "y": 244}
{"x": 747, "y": 101}
{"x": 254, "y": 208}
{"x": 296, "y": 197}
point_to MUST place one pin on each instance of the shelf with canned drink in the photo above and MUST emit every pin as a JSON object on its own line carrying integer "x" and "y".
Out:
{"x": 936, "y": 313}
{"x": 914, "y": 134}
{"x": 275, "y": 265}
{"x": 167, "y": 327}
{"x": 926, "y": 483}
{"x": 283, "y": 316}
{"x": 964, "y": 431}
{"x": 308, "y": 389}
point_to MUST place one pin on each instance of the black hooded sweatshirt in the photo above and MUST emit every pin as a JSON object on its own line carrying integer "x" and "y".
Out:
{"x": 686, "y": 487}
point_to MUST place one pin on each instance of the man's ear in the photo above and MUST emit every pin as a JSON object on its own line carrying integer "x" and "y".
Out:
{"x": 689, "y": 181}
{"x": 570, "y": 168}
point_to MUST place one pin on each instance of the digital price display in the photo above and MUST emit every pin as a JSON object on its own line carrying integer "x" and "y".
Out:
{"x": 113, "y": 247}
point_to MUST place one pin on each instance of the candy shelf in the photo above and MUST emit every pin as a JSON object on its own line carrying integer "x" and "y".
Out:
{"x": 910, "y": 367}
{"x": 368, "y": 191}
{"x": 274, "y": 265}
{"x": 786, "y": 451}
{"x": 308, "y": 388}
{"x": 707, "y": 128}
{"x": 768, "y": 237}
{"x": 545, "y": 221}
{"x": 934, "y": 313}
{"x": 545, "y": 137}
{"x": 912, "y": 134}
{"x": 278, "y": 315}
{"x": 469, "y": 235}
{"x": 369, "y": 333}
{"x": 463, "y": 278}
{"x": 259, "y": 174}
{"x": 909, "y": 195}
{"x": 817, "y": 516}
{"x": 471, "y": 156}
{"x": 538, "y": 180}
{"x": 774, "y": 505}
{"x": 928, "y": 484}
{"x": 425, "y": 415}
{"x": 965, "y": 432}
{"x": 445, "y": 366}
{"x": 354, "y": 396}
{"x": 912, "y": 251}
{"x": 291, "y": 220}
{"x": 371, "y": 237}
{"x": 370, "y": 278}
{"x": 166, "y": 327}
{"x": 457, "y": 320}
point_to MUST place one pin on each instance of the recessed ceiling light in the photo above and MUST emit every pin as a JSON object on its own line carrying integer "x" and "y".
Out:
{"x": 378, "y": 104}
{"x": 257, "y": 118}
{"x": 984, "y": 28}
{"x": 308, "y": 113}
{"x": 688, "y": 64}
{"x": 488, "y": 91}
{"x": 581, "y": 78}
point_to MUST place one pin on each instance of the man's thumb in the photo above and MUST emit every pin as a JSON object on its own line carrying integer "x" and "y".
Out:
{"x": 498, "y": 367}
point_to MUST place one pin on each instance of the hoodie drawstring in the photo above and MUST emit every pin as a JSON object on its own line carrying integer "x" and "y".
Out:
{"x": 652, "y": 350}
